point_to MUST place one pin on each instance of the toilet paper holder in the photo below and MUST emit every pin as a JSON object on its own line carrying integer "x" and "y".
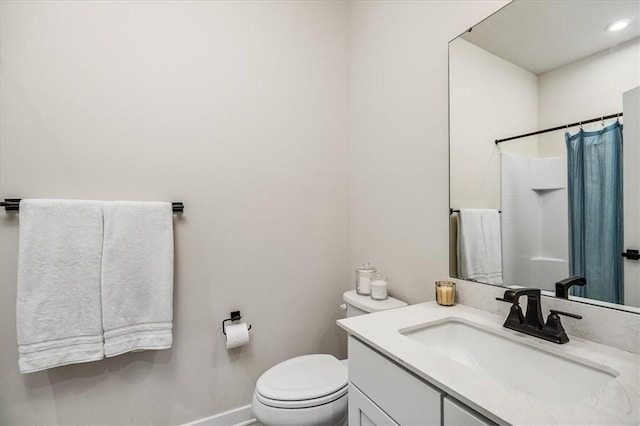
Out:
{"x": 235, "y": 316}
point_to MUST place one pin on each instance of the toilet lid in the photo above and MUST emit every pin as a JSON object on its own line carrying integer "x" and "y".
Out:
{"x": 302, "y": 378}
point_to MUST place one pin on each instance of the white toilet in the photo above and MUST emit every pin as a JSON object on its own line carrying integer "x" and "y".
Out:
{"x": 311, "y": 390}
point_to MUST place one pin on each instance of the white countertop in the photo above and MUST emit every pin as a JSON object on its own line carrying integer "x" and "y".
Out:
{"x": 618, "y": 402}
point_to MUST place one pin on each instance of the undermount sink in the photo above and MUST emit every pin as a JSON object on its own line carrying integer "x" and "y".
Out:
{"x": 535, "y": 372}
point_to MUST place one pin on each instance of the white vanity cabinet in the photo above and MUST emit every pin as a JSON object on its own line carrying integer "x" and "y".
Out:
{"x": 455, "y": 413}
{"x": 382, "y": 392}
{"x": 363, "y": 412}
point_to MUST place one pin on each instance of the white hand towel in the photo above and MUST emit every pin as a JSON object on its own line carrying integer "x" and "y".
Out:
{"x": 479, "y": 246}
{"x": 137, "y": 276}
{"x": 58, "y": 312}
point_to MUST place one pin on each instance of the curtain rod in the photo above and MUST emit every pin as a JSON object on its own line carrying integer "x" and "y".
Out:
{"x": 577, "y": 123}
{"x": 13, "y": 204}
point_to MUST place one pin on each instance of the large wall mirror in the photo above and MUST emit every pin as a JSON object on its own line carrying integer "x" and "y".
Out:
{"x": 545, "y": 149}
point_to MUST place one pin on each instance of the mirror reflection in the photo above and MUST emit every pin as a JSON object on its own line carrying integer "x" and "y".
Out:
{"x": 544, "y": 149}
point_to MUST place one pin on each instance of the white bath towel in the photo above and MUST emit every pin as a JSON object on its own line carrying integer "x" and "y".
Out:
{"x": 479, "y": 246}
{"x": 58, "y": 312}
{"x": 137, "y": 276}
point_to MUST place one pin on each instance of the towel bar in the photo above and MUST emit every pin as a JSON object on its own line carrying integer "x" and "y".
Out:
{"x": 452, "y": 211}
{"x": 13, "y": 204}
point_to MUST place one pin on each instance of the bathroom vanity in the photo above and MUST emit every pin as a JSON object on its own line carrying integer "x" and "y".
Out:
{"x": 431, "y": 365}
{"x": 378, "y": 386}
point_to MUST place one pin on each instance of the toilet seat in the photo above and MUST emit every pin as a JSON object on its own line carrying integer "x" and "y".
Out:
{"x": 304, "y": 403}
{"x": 302, "y": 382}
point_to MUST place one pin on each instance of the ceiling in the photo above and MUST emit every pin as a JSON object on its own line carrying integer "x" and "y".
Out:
{"x": 555, "y": 32}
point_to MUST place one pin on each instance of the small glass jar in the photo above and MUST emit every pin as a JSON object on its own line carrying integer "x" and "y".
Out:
{"x": 445, "y": 293}
{"x": 364, "y": 273}
{"x": 379, "y": 287}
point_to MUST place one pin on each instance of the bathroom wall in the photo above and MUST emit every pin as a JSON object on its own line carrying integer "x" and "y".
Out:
{"x": 237, "y": 109}
{"x": 588, "y": 88}
{"x": 398, "y": 125}
{"x": 631, "y": 194}
{"x": 479, "y": 77}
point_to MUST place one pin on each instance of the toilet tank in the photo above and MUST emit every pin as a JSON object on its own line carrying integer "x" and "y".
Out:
{"x": 357, "y": 304}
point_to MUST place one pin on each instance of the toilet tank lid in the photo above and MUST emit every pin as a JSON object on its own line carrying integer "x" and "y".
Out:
{"x": 367, "y": 304}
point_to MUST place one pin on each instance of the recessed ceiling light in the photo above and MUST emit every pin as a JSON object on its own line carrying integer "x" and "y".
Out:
{"x": 618, "y": 25}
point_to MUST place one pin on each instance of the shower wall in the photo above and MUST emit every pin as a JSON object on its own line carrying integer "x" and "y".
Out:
{"x": 534, "y": 221}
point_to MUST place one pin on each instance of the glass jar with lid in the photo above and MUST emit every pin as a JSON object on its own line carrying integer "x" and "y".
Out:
{"x": 364, "y": 273}
{"x": 379, "y": 287}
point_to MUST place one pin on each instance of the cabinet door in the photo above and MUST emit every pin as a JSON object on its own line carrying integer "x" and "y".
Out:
{"x": 406, "y": 398}
{"x": 363, "y": 412}
{"x": 456, "y": 414}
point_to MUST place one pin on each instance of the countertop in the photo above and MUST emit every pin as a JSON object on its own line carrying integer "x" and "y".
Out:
{"x": 618, "y": 402}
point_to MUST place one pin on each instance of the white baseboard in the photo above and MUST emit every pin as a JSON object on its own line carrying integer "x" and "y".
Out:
{"x": 237, "y": 417}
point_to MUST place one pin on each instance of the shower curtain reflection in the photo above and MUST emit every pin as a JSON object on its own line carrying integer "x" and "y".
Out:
{"x": 594, "y": 161}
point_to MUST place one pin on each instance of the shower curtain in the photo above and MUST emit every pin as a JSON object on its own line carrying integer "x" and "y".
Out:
{"x": 596, "y": 212}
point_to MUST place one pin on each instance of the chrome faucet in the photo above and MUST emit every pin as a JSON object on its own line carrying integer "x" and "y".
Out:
{"x": 532, "y": 322}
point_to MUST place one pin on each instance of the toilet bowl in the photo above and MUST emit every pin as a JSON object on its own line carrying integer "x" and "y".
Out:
{"x": 311, "y": 390}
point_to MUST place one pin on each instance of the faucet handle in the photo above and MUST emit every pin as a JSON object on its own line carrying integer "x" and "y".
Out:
{"x": 566, "y": 314}
{"x": 554, "y": 326}
{"x": 515, "y": 313}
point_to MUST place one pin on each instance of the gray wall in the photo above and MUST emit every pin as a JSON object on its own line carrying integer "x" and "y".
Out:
{"x": 398, "y": 124}
{"x": 303, "y": 138}
{"x": 236, "y": 109}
